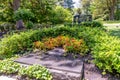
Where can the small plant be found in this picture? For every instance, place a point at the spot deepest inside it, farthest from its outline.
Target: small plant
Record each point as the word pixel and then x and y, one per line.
pixel 29 25
pixel 92 24
pixel 36 71
pixel 9 67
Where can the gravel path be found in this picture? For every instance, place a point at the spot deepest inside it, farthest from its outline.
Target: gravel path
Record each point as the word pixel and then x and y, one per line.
pixel 6 78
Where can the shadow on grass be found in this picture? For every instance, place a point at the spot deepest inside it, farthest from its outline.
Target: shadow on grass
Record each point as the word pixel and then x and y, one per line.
pixel 115 32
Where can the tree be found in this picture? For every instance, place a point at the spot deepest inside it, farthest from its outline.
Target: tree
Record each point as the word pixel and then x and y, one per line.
pixel 42 9
pixel 111 4
pixel 67 4
pixel 107 9
pixel 86 6
pixel 11 6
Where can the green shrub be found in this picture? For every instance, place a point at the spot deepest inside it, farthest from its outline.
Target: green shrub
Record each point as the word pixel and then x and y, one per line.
pixel 23 14
pixel 9 67
pixel 117 15
pixel 61 15
pixel 14 44
pixel 23 41
pixel 29 25
pixel 92 24
pixel 36 71
pixel 107 53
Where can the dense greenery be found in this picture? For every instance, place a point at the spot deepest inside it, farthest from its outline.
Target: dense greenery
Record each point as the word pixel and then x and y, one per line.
pixel 36 71
pixel 33 72
pixel 105 48
pixel 41 11
pixel 92 24
pixel 9 67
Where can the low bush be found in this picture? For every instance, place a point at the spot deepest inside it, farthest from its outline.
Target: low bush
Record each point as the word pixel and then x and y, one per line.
pixel 61 15
pixel 9 67
pixel 36 71
pixel 33 72
pixel 29 25
pixel 69 44
pixel 14 44
pixel 107 53
pixel 92 24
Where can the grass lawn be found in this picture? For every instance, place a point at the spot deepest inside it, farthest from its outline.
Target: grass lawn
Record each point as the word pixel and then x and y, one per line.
pixel 114 29
pixel 111 22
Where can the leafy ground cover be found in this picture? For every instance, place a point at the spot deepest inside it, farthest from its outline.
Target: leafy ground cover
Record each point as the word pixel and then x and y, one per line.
pixel 32 72
pixel 104 48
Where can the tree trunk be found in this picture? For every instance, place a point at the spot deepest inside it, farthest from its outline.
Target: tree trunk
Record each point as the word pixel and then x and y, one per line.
pixel 111 13
pixel 111 7
pixel 16 5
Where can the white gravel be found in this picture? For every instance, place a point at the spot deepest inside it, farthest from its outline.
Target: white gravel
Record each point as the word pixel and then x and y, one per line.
pixel 6 78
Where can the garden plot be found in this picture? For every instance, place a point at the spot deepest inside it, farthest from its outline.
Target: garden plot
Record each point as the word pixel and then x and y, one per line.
pixel 61 67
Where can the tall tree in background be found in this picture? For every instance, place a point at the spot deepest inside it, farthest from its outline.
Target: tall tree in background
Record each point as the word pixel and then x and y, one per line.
pixel 15 5
pixel 104 7
pixel 69 4
pixel 111 4
pixel 11 6
pixel 86 6
pixel 42 7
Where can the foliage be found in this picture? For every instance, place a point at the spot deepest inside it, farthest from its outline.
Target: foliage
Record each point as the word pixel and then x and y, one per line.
pixel 23 14
pixel 69 44
pixel 61 15
pixel 68 4
pixel 86 6
pixel 29 25
pixel 42 9
pixel 9 67
pixel 107 52
pixel 5 26
pixel 36 71
pixel 106 12
pixel 6 12
pixel 117 15
pixel 104 48
pixel 14 44
pixel 92 24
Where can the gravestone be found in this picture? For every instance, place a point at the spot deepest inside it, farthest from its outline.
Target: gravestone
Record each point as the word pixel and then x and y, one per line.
pixel 61 67
pixel 81 18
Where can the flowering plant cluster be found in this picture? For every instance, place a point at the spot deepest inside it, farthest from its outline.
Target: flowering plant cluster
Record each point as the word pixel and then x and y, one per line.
pixel 69 44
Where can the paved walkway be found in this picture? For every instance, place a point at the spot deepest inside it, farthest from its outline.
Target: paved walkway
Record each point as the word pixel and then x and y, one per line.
pixel 6 78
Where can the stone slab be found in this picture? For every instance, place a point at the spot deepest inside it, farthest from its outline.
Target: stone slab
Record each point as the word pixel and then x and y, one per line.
pixel 69 69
